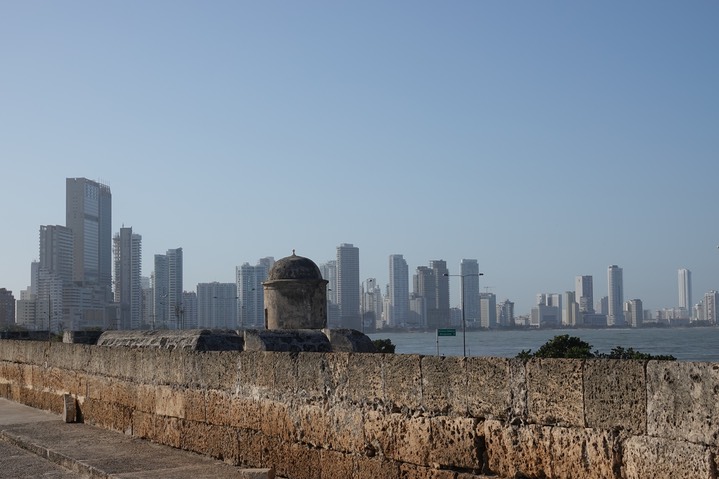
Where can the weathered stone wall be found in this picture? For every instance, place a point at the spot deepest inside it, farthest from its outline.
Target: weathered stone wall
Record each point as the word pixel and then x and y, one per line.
pixel 330 415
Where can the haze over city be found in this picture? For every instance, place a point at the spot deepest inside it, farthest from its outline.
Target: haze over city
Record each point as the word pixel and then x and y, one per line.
pixel 544 140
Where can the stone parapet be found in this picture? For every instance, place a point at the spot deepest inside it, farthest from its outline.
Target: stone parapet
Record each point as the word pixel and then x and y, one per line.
pixel 81 337
pixel 191 339
pixel 349 341
pixel 331 414
pixel 286 340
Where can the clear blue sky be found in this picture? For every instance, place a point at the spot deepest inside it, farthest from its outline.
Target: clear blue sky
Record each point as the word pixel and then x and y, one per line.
pixel 545 139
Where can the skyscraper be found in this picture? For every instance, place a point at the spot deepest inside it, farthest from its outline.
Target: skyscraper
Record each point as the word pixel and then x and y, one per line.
pixel 167 289
pixel 189 308
pixel 615 315
pixel 442 292
pixel 128 286
pixel 348 286
pixel 469 269
pixel 88 214
pixel 397 316
pixel 685 289
pixel 217 305
pixel 488 303
pixel 251 294
pixel 371 304
pixel 55 272
pixel 634 313
pixel 425 286
pixel 584 294
pixel 329 272
pixel 711 307
pixel 570 310
pixel 7 308
pixel 505 313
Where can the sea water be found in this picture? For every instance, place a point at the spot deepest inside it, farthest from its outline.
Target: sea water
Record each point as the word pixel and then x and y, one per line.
pixel 685 344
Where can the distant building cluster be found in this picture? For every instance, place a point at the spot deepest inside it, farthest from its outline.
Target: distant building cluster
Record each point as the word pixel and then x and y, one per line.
pixel 420 301
pixel 88 278
pixel 577 308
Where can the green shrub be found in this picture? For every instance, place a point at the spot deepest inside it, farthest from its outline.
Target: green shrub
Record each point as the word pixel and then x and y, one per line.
pixel 565 346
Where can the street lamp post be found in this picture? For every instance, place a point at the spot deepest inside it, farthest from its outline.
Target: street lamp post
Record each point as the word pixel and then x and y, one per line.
pixel 464 322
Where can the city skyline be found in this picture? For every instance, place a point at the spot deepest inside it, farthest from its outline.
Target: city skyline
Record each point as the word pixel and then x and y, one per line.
pixel 432 131
pixel 169 275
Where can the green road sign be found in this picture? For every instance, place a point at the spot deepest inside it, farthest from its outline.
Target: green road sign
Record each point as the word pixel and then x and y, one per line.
pixel 447 332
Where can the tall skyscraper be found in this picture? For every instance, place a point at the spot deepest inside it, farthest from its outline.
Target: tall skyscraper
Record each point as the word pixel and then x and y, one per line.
pixel 425 286
pixel 55 272
pixel 217 305
pixel 584 294
pixel 251 294
pixel 189 308
pixel 88 214
pixel 329 272
pixel 128 286
pixel 417 311
pixel 615 315
pixel 469 296
pixel 505 313
pixel 7 308
pixel 398 314
pixel 371 304
pixel 56 252
pixel 685 289
pixel 442 292
pixel 711 307
pixel 634 313
pixel 348 286
pixel 488 303
pixel 167 289
pixel 570 310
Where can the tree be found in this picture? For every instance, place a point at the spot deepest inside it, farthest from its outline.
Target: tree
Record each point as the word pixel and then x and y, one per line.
pixel 384 345
pixel 563 346
pixel 566 346
pixel 619 352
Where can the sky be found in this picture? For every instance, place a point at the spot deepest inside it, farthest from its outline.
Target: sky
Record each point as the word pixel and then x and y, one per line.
pixel 544 139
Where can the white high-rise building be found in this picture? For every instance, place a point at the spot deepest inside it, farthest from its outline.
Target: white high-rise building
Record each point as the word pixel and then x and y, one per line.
pixel 425 286
pixel 55 271
pixel 634 313
pixel 251 294
pixel 371 304
pixel 189 310
pixel 348 286
pixel 128 285
pixel 469 294
pixel 329 272
pixel 711 307
pixel 398 314
pixel 417 311
pixel 570 310
pixel 685 289
pixel 217 305
pixel 488 304
pixel 167 289
pixel 615 314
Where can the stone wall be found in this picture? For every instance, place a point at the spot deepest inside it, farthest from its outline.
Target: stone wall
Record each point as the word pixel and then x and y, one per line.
pixel 336 415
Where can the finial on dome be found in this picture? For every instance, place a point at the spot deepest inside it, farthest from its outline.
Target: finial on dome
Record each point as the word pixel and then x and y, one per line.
pixel 293 252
